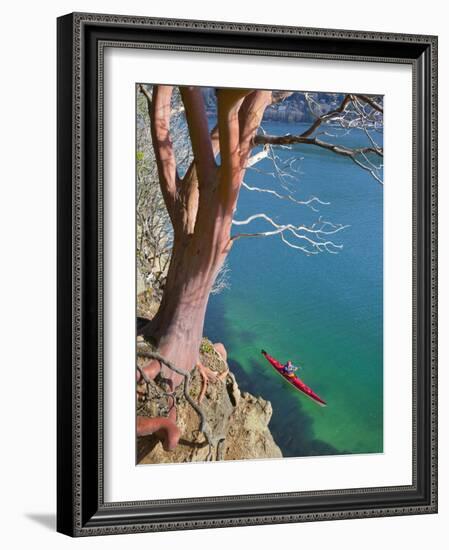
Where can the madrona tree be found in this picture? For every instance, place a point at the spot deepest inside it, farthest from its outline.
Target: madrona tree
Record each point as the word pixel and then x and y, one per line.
pixel 201 199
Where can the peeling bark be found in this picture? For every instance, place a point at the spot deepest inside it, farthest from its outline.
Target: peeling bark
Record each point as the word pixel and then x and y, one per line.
pixel 178 325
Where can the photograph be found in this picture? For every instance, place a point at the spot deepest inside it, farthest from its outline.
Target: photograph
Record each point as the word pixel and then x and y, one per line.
pixel 259 273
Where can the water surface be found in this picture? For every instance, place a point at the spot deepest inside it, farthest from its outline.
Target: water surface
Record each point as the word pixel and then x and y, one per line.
pixel 323 312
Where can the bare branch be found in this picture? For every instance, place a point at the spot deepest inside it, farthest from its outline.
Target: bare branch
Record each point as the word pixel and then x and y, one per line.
pixel 371 102
pixel 308 202
pixel 327 116
pixel 222 281
pixel 148 96
pixel 315 237
pixel 277 96
pixel 257 158
pixel 338 149
pixel 372 171
pixel 289 139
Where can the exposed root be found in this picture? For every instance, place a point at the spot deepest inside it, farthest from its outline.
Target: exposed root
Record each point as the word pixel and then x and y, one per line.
pixel 207 376
pixel 166 427
pixel 163 427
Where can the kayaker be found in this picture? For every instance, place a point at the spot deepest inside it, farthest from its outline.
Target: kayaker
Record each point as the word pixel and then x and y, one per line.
pixel 289 368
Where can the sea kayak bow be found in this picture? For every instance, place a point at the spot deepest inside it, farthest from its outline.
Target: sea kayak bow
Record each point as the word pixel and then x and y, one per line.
pixel 293 379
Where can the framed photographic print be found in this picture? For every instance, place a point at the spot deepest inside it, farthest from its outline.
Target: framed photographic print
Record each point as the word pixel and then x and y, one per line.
pixel 246 274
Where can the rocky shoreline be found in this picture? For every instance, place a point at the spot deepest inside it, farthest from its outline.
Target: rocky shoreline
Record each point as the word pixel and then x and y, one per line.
pixel 237 421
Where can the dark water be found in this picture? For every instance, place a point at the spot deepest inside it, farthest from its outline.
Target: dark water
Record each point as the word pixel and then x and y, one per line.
pixel 323 312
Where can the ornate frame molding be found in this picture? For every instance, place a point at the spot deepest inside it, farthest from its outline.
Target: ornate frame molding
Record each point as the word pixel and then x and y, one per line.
pixel 81 509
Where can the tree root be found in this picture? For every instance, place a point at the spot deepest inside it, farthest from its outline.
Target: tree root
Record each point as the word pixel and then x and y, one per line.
pixel 213 442
pixel 207 376
pixel 165 428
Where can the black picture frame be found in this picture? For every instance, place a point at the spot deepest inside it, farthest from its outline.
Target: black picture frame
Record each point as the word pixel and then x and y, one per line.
pixel 81 509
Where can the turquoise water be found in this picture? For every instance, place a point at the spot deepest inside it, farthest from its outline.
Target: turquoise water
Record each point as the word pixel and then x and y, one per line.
pixel 323 312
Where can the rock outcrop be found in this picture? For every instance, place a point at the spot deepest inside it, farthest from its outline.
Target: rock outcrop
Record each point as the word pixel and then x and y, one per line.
pixel 237 421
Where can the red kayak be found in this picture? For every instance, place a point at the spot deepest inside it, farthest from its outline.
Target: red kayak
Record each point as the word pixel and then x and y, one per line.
pixel 293 379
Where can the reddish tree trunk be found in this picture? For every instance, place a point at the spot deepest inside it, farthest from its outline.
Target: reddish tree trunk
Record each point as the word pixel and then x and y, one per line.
pixel 178 325
pixel 201 207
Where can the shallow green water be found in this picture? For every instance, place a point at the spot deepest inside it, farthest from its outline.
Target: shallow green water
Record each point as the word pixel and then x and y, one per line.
pixel 323 312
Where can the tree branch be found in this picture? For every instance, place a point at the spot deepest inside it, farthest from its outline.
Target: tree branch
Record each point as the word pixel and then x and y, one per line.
pixel 327 116
pixel 277 98
pixel 149 99
pixel 316 238
pixel 263 139
pixel 199 133
pixel 370 102
pixel 288 197
pixel 229 102
pixel 288 139
pixel 163 147
pixel 357 155
pixel 250 116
